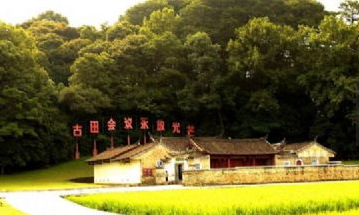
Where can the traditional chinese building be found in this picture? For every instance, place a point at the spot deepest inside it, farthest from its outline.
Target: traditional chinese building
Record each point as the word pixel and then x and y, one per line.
pixel 227 153
pixel 132 164
pixel 303 153
pixel 163 160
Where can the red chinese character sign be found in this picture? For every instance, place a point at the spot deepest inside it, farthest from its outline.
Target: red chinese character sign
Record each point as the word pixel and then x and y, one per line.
pixel 128 123
pixel 190 130
pixel 144 127
pixel 128 126
pixel 111 126
pixel 77 133
pixel 77 130
pixel 144 123
pixel 94 129
pixel 160 125
pixel 176 128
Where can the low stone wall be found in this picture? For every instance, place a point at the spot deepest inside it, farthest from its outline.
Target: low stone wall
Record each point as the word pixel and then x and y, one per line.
pixel 269 174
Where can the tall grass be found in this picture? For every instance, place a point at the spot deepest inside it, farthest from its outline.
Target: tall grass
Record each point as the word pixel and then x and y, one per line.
pixel 313 198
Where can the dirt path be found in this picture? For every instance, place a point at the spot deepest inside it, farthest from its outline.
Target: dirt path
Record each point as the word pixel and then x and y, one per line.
pixel 51 202
pixel 48 204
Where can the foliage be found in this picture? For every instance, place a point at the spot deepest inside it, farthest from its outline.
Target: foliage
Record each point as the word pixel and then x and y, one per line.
pixel 219 19
pixel 33 129
pixel 314 198
pixel 136 14
pixel 52 177
pixel 47 15
pixel 50 35
pixel 120 30
pixel 350 10
pixel 233 68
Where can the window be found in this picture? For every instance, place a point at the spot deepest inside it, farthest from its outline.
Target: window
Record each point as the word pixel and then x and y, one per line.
pixel 147 172
pixel 197 166
pixel 315 162
pixel 159 164
pixel 299 162
pixel 287 163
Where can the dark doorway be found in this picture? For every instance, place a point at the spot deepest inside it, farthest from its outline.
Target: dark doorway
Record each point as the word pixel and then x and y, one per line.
pixel 179 172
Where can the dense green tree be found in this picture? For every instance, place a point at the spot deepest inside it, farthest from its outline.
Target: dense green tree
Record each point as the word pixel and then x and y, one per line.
pixel 33 131
pixel 261 59
pixel 132 67
pixel 329 72
pixel 233 68
pixel 50 37
pixel 165 78
pixel 47 15
pixel 220 18
pixel 160 21
pixel 137 13
pixel 120 30
pixel 201 92
pixel 89 89
pixel 349 10
pixel 97 47
pixel 89 33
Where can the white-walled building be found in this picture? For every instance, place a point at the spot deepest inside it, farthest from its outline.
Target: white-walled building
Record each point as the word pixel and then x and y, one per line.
pixel 163 161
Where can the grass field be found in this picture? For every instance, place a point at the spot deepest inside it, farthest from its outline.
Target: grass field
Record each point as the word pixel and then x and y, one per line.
pixel 5 209
pixel 313 198
pixel 56 177
pixel 353 162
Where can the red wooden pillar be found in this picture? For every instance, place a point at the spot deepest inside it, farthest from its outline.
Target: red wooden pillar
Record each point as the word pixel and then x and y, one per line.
pixel 77 152
pixel 254 161
pixel 273 161
pixel 229 162
pixel 144 139
pixel 112 144
pixel 128 140
pixel 94 151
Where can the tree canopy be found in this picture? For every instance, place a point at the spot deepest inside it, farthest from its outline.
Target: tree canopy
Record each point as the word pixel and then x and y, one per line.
pixel 233 68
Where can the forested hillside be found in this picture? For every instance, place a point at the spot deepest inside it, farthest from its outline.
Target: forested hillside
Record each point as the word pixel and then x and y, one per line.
pixel 233 68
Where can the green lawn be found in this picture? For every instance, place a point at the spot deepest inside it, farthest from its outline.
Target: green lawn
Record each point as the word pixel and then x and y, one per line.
pixel 294 199
pixel 56 177
pixel 353 162
pixel 5 209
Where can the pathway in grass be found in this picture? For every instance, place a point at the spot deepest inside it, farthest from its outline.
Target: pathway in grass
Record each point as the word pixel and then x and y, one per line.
pixel 311 198
pixel 51 202
pixel 56 177
pixel 47 203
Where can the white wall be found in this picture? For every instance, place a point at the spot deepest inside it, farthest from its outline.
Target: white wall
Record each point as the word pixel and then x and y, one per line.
pixel 118 173
pixel 170 167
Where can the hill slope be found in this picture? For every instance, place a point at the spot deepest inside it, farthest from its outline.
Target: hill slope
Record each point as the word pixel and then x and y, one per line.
pixel 56 177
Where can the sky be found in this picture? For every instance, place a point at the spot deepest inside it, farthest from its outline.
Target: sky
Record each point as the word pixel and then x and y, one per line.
pixel 81 12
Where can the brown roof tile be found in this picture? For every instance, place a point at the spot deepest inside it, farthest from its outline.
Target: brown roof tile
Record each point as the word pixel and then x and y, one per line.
pixel 218 146
pixel 134 152
pixel 300 146
pixel 296 146
pixel 175 143
pixel 111 153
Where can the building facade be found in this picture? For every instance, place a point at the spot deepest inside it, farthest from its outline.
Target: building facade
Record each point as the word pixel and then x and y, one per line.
pixel 163 160
pixel 303 153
